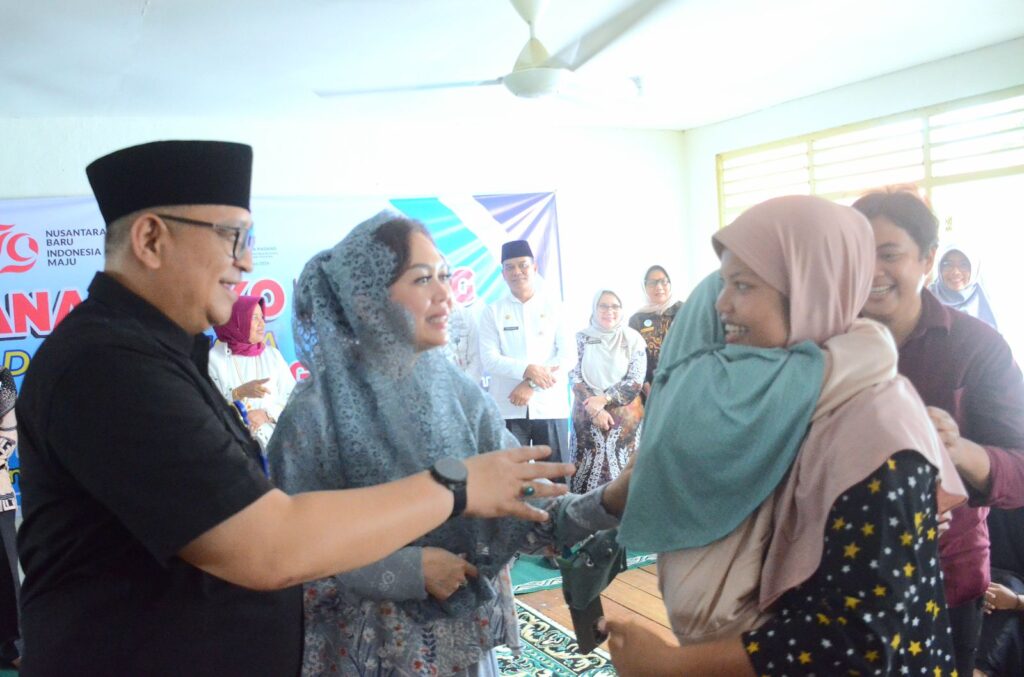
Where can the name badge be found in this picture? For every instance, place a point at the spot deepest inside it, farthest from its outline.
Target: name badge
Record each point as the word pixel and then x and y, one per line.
pixel 511 328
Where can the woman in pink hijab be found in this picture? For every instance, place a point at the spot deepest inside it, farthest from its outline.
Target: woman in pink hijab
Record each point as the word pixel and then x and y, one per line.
pixel 850 582
pixel 245 369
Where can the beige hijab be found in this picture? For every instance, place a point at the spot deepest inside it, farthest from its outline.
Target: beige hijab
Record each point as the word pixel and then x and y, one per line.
pixel 821 255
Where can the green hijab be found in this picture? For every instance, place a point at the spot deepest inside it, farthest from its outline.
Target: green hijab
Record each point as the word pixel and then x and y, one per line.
pixel 722 427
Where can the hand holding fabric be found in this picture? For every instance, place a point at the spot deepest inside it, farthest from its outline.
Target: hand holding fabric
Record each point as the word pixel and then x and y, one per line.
pixel 971 459
pixel 444 572
pixel 1001 598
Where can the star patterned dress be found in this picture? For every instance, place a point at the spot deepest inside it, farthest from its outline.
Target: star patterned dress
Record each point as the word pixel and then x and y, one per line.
pixel 875 606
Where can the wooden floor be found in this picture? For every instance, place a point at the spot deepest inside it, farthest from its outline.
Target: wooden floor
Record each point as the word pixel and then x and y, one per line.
pixel 633 594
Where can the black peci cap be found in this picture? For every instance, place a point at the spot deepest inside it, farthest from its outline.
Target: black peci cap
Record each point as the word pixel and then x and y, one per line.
pixel 515 249
pixel 168 173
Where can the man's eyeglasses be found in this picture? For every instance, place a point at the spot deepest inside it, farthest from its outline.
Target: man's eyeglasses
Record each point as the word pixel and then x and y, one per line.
pixel 243 237
pixel 661 282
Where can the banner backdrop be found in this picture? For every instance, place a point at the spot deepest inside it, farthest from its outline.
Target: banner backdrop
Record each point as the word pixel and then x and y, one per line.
pixel 50 249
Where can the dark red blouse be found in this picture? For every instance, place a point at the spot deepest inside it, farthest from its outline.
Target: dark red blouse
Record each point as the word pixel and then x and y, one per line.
pixel 960 364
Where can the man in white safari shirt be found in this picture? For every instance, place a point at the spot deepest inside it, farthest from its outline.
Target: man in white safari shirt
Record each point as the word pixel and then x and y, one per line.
pixel 528 355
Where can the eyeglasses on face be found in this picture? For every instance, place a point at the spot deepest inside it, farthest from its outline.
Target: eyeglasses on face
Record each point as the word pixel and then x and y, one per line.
pixel 946 264
pixel 608 307
pixel 243 236
pixel 660 282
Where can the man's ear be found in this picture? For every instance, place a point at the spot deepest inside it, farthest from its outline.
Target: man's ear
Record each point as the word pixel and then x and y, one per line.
pixel 931 257
pixel 148 238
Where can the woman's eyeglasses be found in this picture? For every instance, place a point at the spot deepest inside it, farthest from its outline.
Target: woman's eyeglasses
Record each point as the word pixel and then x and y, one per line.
pixel 608 307
pixel 946 264
pixel 243 236
pixel 661 282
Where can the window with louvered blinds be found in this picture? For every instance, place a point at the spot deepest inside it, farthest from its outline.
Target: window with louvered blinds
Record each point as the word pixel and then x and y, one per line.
pixel 961 141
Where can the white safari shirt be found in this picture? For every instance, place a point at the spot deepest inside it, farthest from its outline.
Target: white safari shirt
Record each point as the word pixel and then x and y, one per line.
pixel 514 335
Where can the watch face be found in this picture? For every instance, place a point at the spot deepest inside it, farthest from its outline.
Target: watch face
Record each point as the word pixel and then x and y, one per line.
pixel 452 469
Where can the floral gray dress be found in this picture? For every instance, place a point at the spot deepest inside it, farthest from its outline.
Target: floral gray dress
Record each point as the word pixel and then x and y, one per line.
pixel 372 411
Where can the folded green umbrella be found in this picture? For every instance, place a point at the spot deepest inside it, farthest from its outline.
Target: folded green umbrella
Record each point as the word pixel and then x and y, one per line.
pixel 586 572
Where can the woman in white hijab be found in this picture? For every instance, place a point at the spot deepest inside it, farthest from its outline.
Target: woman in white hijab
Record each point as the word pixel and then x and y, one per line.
pixel 606 384
pixel 958 283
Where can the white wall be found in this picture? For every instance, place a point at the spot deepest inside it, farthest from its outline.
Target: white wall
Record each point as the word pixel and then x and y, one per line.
pixel 620 192
pixel 969 74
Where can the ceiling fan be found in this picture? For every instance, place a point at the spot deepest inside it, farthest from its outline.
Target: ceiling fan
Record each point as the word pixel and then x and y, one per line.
pixel 537 73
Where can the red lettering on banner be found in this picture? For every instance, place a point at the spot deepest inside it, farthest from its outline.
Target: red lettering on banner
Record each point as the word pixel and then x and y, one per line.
pixel 271 291
pixel 273 296
pixel 299 373
pixel 32 309
pixel 11 250
pixel 67 299
pixel 31 312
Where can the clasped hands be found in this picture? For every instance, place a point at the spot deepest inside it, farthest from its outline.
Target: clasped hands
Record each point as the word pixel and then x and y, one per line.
pixel 595 408
pixel 535 375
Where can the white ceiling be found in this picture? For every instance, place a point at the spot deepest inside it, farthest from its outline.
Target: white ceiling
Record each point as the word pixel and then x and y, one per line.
pixel 699 61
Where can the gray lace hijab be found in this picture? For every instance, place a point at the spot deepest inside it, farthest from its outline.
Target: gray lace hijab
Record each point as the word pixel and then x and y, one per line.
pixel 374 410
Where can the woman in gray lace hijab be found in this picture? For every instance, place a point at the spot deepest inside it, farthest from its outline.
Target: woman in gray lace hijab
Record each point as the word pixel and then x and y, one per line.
pixel 381 404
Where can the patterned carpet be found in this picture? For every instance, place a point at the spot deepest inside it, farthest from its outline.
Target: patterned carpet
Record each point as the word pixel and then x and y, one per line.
pixel 548 650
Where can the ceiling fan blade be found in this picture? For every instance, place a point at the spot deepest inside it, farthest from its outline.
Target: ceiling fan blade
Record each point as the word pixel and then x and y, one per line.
pixel 591 43
pixel 529 10
pixel 330 93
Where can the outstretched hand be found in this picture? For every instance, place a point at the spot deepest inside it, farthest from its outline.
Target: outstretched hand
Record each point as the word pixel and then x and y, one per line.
pixel 254 389
pixel 496 483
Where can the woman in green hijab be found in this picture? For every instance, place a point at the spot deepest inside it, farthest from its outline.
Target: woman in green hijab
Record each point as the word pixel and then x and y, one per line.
pixel 779 432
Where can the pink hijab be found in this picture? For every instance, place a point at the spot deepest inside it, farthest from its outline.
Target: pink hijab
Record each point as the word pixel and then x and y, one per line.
pixel 235 332
pixel 821 256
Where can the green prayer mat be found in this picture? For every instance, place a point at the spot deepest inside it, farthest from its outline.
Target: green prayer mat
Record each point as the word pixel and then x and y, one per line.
pixel 530 575
pixel 549 649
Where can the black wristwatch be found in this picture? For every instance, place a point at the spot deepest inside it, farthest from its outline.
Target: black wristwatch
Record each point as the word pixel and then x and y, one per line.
pixel 451 473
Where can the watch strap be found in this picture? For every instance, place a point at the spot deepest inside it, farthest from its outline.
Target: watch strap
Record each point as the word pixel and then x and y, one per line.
pixel 459 492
